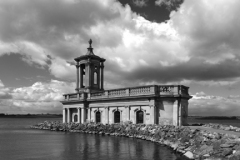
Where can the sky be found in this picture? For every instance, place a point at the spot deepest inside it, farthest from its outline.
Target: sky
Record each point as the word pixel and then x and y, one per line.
pixel 192 43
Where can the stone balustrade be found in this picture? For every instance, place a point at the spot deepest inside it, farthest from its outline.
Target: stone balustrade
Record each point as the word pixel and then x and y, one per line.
pixel 161 90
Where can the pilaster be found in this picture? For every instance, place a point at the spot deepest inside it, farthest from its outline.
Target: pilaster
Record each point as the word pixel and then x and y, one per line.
pixel 64 115
pixel 79 117
pixel 77 82
pixel 102 75
pixel 68 115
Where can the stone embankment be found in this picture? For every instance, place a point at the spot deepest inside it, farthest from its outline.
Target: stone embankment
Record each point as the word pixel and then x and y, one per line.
pixel 193 143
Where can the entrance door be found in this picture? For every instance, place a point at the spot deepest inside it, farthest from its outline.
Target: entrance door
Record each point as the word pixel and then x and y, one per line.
pixel 116 117
pixel 98 117
pixel 139 116
pixel 75 118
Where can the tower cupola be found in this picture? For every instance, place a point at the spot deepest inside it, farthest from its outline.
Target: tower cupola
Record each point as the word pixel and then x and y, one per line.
pixel 90 72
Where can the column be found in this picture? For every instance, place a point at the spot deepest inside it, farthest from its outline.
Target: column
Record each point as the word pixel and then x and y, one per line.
pixel 77 83
pixel 107 115
pixel 64 115
pixel 180 113
pixel 83 113
pixel 127 111
pixel 86 79
pixel 175 113
pixel 68 115
pixel 89 114
pixel 152 114
pixel 80 76
pixel 79 115
pixel 98 77
pixel 102 75
pixel 90 73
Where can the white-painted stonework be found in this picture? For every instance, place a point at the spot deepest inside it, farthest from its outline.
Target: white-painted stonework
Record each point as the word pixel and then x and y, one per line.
pixel 153 104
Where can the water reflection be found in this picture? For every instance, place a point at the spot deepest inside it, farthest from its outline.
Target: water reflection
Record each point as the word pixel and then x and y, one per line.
pixel 19 143
pixel 85 146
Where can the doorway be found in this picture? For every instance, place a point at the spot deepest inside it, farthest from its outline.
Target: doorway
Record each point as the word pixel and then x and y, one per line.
pixel 116 117
pixel 98 117
pixel 139 117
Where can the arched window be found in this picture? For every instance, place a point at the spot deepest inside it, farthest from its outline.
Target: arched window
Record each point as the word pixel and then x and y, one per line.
pixel 75 118
pixel 95 77
pixel 116 117
pixel 139 117
pixel 98 117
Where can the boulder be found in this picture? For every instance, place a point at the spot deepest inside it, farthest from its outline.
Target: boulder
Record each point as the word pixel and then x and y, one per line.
pixel 189 155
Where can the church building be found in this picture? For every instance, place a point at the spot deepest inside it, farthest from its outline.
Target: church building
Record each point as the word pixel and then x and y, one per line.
pixel 150 104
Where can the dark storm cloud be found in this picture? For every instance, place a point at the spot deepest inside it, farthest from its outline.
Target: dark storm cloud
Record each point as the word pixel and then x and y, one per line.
pixel 194 69
pixel 140 3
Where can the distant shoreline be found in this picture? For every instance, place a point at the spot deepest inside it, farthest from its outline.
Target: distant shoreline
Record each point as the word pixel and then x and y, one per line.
pixel 32 116
pixel 215 117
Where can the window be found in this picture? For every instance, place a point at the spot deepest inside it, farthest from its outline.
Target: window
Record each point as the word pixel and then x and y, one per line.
pixel 95 77
pixel 116 117
pixel 139 117
pixel 98 117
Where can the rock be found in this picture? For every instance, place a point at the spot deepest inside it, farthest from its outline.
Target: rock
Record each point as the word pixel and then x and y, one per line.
pixel 226 151
pixel 227 128
pixel 228 145
pixel 236 153
pixel 189 155
pixel 204 150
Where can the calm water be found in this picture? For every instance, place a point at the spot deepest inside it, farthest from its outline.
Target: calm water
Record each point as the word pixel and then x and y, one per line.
pixel 235 123
pixel 18 142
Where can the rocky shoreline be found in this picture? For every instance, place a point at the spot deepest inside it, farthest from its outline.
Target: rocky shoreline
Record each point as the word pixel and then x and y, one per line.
pixel 192 143
pixel 222 127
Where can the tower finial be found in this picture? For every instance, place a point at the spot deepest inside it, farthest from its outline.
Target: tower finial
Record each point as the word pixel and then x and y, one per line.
pixel 90 43
pixel 90 49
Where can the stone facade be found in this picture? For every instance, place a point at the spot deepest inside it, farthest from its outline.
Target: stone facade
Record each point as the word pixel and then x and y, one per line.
pixel 152 104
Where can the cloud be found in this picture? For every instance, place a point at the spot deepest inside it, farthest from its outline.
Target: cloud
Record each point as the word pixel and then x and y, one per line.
pixel 38 98
pixel 140 3
pixel 209 105
pixel 4 92
pixel 43 92
pixel 196 44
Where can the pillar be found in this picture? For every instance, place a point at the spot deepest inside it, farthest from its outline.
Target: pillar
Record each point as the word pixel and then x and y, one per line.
pixel 64 115
pixel 79 115
pixel 106 115
pixel 83 114
pixel 102 76
pixel 180 113
pixel 98 77
pixel 127 111
pixel 152 114
pixel 176 113
pixel 80 77
pixel 68 115
pixel 87 75
pixel 77 83
pixel 89 114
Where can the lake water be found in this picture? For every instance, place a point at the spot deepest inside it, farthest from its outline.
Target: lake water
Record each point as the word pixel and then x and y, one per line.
pixel 19 142
pixel 232 122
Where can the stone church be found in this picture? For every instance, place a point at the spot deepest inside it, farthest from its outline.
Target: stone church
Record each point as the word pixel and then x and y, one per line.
pixel 150 104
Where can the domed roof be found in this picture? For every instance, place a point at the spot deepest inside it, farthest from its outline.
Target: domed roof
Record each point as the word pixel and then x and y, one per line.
pixel 89 54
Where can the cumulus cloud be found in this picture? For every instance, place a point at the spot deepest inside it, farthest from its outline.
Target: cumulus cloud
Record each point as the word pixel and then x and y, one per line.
pixel 38 98
pixel 190 46
pixel 199 44
pixel 4 91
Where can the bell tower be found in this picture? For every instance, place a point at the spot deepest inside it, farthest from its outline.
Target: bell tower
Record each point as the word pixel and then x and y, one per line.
pixel 90 72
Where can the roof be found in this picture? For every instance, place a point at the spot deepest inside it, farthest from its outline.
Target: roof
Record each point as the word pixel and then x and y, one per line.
pixel 89 54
